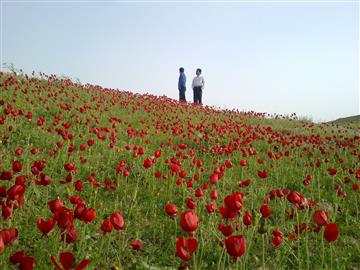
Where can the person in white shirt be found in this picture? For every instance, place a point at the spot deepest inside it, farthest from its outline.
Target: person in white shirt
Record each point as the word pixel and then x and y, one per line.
pixel 197 86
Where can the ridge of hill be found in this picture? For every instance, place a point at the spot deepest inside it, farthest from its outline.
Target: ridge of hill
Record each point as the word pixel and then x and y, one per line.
pixel 355 119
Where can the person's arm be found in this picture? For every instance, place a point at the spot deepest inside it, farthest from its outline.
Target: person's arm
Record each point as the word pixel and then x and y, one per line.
pixel 192 85
pixel 203 83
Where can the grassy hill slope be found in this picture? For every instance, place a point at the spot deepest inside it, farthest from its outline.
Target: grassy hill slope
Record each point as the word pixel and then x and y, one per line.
pixel 121 179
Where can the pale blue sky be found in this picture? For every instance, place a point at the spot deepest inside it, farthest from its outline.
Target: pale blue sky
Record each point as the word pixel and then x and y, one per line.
pixel 266 57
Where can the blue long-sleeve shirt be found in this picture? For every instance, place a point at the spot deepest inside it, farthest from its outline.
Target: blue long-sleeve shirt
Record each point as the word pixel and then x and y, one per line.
pixel 182 81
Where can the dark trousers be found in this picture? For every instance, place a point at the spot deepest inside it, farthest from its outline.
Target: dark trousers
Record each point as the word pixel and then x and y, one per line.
pixel 197 95
pixel 182 94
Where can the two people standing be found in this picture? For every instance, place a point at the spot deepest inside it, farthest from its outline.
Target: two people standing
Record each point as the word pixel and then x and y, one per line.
pixel 198 84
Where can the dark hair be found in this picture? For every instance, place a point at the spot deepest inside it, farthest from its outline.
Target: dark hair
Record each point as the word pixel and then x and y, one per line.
pixel 181 69
pixel 199 69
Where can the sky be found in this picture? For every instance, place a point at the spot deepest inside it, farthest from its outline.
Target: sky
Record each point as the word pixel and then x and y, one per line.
pixel 277 57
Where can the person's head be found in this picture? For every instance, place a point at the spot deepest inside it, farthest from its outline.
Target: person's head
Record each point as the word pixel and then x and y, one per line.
pixel 198 71
pixel 181 70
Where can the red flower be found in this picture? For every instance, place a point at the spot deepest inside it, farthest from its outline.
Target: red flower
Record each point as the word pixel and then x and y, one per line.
pixel 171 210
pixel 136 245
pixel 265 211
pixel 320 217
pixel 147 163
pixel 235 245
pixel 214 178
pixel 106 226
pixel 210 207
pixel 15 192
pixel 245 183
pixel 185 247
pixel 247 219
pixel 69 166
pixel 199 193
pixel 295 197
pixel 263 174
pixel 234 201
pixel 225 230
pixel 19 151
pixel 243 162
pixel 16 257
pixel 7 236
pixel 277 233
pixel 25 262
pixel 190 203
pixel 331 232
pixel 189 221
pixel 117 220
pixel 226 212
pixel 45 226
pixel 276 241
pixel 78 185
pixel 69 235
pixel 17 166
pixel 213 194
pixel 55 205
pixel 332 171
pixel 8 175
pixel 67 262
pixel 65 218
pixel 88 215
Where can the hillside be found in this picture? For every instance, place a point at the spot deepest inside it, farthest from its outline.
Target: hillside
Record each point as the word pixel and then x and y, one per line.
pixel 128 181
pixel 347 120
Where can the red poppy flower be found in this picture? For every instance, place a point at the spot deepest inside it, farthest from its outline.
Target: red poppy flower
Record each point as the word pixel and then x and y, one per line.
pixel 55 205
pixel 265 211
pixel 185 247
pixel 295 197
pixel 247 219
pixel 331 232
pixel 243 162
pixel 171 210
pixel 88 215
pixel 78 185
pixel 235 245
pixel 117 220
pixel 225 230
pixel 263 174
pixel 147 163
pixel 213 194
pixel 190 203
pixel 211 207
pixel 17 166
pixel 67 262
pixel 25 262
pixel 320 217
pixel 226 212
pixel 234 201
pixel 45 226
pixel 69 235
pixel 276 241
pixel 189 221
pixel 106 226
pixel 332 171
pixel 136 245
pixel 7 236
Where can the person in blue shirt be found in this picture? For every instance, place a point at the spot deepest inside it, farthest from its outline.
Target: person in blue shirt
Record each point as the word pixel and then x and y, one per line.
pixel 182 85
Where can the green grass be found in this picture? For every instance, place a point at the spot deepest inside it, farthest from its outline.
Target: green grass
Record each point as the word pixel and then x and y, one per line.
pixel 212 136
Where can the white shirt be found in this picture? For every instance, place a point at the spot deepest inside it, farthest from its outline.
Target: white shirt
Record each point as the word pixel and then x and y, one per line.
pixel 198 81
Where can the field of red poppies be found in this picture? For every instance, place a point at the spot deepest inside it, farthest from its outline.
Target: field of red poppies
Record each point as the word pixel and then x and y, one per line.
pixel 96 178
